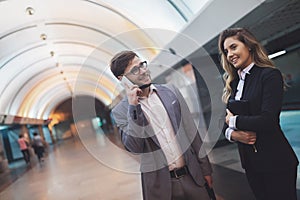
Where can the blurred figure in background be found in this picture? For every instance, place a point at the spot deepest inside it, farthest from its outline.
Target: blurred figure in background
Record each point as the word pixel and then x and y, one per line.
pixel 38 146
pixel 23 144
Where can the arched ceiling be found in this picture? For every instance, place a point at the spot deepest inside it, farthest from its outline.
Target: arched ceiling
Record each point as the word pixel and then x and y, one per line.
pixel 51 50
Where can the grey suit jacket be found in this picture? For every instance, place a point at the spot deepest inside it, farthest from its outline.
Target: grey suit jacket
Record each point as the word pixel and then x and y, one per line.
pixel 138 137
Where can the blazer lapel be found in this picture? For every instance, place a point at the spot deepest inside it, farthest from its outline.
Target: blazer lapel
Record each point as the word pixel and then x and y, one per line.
pixel 250 81
pixel 148 129
pixel 169 100
pixel 234 88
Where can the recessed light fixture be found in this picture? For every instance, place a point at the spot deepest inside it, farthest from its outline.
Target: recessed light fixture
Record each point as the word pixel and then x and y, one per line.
pixel 30 11
pixel 172 51
pixel 279 53
pixel 43 36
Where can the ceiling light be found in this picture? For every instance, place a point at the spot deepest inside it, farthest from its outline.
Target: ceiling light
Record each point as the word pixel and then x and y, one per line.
pixel 172 51
pixel 279 53
pixel 30 11
pixel 43 36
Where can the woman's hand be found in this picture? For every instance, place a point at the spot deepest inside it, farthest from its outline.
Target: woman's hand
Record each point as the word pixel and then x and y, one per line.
pixel 246 137
pixel 229 114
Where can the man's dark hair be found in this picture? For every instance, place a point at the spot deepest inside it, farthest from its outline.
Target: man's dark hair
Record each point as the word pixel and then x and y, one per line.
pixel 120 61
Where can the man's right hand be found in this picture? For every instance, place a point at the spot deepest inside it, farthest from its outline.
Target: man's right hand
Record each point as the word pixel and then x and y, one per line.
pixel 246 137
pixel 133 94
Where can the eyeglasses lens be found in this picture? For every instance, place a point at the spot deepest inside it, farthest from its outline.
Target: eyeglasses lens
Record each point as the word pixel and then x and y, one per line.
pixel 136 69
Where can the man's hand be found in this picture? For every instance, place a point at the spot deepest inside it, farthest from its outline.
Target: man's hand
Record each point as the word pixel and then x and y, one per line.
pixel 133 94
pixel 246 137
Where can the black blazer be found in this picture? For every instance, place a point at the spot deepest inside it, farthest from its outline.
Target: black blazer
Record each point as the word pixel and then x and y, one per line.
pixel 263 88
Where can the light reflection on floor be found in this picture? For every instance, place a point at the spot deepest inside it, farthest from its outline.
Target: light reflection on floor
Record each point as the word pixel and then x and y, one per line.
pixel 84 167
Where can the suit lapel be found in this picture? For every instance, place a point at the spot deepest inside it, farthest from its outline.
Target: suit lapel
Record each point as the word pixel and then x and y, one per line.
pixel 148 129
pixel 169 100
pixel 234 88
pixel 250 81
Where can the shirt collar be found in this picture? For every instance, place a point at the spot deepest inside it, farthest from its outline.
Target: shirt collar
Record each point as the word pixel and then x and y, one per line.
pixel 242 73
pixel 152 90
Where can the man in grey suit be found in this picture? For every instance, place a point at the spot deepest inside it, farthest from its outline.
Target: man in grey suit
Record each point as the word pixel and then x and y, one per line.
pixel 154 121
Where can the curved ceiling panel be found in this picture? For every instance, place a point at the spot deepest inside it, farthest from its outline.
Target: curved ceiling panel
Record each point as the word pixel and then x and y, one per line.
pixel 49 53
pixel 17 74
pixel 74 79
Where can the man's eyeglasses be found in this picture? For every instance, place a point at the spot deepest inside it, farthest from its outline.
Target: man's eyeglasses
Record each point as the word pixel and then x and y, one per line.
pixel 137 69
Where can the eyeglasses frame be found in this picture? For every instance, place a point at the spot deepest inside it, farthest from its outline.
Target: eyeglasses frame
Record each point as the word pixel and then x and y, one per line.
pixel 142 64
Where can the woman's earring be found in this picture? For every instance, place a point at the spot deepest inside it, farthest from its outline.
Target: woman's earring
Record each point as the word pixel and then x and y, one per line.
pixel 249 49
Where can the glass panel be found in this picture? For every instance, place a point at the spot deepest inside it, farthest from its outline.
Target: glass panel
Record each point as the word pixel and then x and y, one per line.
pixel 188 8
pixel 13 136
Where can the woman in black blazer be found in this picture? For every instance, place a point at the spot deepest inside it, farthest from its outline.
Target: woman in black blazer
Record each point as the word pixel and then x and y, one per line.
pixel 253 93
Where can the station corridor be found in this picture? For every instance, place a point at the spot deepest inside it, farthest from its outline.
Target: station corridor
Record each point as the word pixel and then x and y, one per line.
pixel 90 166
pixel 54 62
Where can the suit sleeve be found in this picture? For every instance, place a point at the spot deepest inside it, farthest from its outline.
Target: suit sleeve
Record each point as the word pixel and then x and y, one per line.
pixel 271 102
pixel 194 136
pixel 131 123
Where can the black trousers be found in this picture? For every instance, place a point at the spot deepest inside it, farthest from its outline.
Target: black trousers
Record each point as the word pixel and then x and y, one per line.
pixel 279 185
pixel 185 188
pixel 26 155
pixel 39 151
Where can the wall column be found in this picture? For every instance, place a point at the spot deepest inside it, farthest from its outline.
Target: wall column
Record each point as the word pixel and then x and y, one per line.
pixel 3 160
pixel 41 132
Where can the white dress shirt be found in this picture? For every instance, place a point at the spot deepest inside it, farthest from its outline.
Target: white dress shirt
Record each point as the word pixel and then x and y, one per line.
pixel 158 117
pixel 238 96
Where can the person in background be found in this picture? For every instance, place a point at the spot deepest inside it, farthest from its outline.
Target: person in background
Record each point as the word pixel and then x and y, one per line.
pixel 38 146
pixel 154 121
pixel 250 77
pixel 23 144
